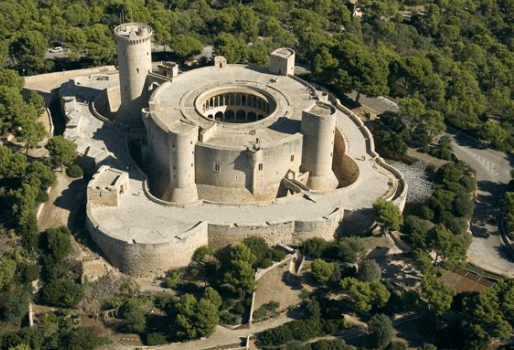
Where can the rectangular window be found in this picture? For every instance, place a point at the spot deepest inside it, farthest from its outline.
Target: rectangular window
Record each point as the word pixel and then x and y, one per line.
pixel 216 167
pixel 261 166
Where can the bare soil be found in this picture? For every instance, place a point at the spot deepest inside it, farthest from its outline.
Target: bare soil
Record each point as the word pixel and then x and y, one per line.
pixel 278 285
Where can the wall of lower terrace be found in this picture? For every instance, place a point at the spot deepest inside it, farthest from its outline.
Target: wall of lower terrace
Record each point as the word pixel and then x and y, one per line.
pixel 275 232
pixel 135 258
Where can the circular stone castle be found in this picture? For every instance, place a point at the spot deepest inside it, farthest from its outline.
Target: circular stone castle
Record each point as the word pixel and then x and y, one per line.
pixel 216 154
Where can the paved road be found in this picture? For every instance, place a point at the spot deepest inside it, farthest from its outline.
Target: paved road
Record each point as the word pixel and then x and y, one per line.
pixel 487 250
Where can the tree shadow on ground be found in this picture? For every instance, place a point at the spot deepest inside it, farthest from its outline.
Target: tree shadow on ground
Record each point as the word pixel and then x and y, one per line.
pixel 409 331
pixel 71 198
pixel 358 220
pixel 505 252
pixel 292 281
pixel 393 266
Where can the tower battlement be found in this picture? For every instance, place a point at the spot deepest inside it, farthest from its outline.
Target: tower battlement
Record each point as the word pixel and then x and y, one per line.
pixel 133 33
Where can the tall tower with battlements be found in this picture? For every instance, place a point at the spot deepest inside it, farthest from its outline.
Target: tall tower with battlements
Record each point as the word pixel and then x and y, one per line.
pixel 134 46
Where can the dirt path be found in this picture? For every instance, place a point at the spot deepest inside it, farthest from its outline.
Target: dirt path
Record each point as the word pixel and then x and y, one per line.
pixel 56 211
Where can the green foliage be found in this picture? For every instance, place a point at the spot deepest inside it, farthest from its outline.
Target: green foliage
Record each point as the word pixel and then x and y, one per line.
pixel 492 311
pixel 314 247
pixel 185 46
pixel 382 331
pixel 369 271
pixel 265 311
pixel 508 207
pixel 133 313
pixel 195 318
pixel 324 344
pixel 63 151
pixel 213 297
pixel 8 264
pixel 262 251
pixel 75 171
pixel 202 252
pixel 62 293
pixel 322 270
pixel 231 47
pixel 437 293
pixel 153 339
pixel 388 215
pixel 80 338
pixel 365 295
pixel 173 277
pixel 347 249
pixel 55 244
pixel 14 304
pixel 28 336
pixel 112 303
pixel 241 275
pixel 300 330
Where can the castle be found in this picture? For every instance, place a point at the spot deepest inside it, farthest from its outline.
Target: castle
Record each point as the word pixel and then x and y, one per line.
pixel 223 153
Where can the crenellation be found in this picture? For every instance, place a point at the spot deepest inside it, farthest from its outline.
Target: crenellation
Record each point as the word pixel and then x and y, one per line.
pixel 228 152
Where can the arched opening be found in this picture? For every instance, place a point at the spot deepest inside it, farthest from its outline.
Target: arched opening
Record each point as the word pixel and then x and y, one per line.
pixel 252 116
pixel 229 115
pixel 219 116
pixel 243 100
pixel 240 116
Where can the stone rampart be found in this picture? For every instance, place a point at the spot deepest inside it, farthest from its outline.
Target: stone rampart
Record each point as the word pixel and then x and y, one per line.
pixel 137 258
pixel 399 198
pixel 293 231
pixel 345 168
pixel 66 75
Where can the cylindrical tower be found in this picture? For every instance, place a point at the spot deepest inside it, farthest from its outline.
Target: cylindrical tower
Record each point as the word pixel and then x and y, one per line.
pixel 181 143
pixel 318 129
pixel 134 48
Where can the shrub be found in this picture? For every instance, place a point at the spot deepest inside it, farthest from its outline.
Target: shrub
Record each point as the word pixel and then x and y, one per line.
pixel 112 303
pixel 75 171
pixel 229 319
pixel 63 293
pixel 265 311
pixel 172 279
pixel 155 339
pixel 277 255
pixel 322 270
pixel 314 247
pixel 275 336
pixel 369 271
pixel 238 309
pixel 382 331
pixel 132 311
pixel 42 196
pixel 264 264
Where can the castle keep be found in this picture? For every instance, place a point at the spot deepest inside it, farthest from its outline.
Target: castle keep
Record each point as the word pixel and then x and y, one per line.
pixel 223 152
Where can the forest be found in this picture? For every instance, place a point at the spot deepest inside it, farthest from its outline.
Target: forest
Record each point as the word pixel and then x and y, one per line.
pixel 446 62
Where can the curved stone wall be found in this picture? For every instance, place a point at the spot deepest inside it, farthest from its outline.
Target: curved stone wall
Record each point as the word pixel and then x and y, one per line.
pixel 235 168
pixel 293 231
pixel 135 258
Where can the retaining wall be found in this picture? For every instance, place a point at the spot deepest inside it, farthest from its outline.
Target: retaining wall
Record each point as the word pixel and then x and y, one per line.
pixel 142 259
pixel 292 231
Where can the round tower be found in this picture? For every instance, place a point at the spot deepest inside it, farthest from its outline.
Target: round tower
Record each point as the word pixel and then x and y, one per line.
pixel 181 143
pixel 318 129
pixel 134 46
